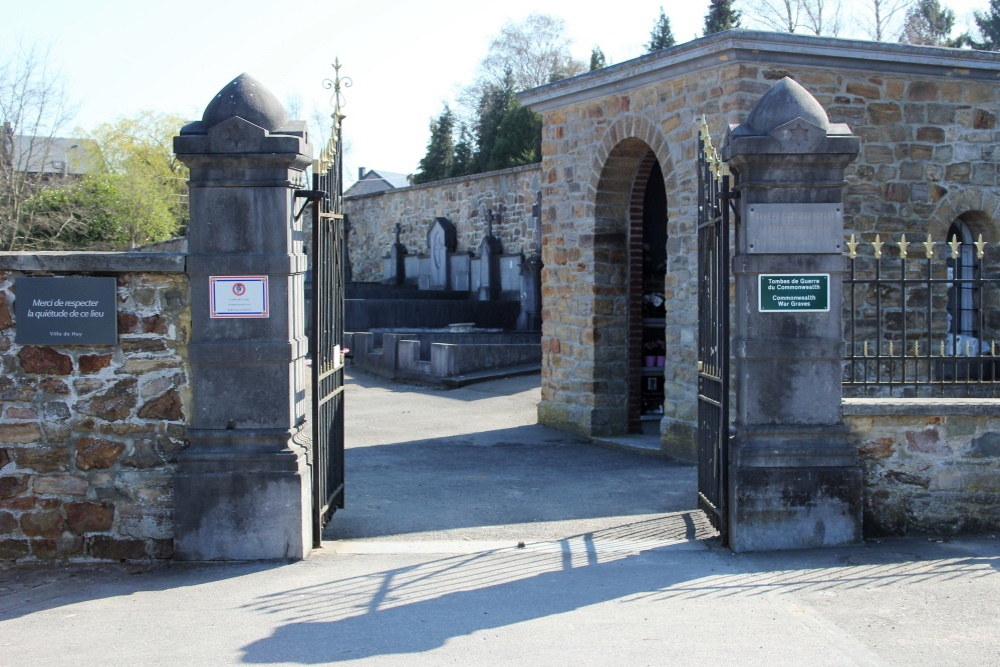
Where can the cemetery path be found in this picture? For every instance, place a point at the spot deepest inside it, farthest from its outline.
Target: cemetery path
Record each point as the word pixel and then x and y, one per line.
pixel 472 465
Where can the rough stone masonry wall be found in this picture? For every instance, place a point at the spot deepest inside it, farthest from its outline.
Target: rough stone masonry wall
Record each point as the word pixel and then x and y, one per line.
pixel 928 155
pixel 464 201
pixel 89 434
pixel 931 467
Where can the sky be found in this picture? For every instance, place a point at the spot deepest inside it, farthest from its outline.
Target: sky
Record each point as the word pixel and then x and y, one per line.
pixel 405 58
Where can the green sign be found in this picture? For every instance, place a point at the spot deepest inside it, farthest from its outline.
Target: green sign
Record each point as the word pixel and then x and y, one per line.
pixel 800 292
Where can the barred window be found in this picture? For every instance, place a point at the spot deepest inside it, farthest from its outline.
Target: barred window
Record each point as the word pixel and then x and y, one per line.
pixel 963 297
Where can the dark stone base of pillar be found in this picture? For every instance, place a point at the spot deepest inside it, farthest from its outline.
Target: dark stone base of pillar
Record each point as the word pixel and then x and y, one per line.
pixel 242 496
pixel 804 490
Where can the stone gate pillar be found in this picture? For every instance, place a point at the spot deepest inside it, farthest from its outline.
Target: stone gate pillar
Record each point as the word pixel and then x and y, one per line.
pixel 242 488
pixel 793 479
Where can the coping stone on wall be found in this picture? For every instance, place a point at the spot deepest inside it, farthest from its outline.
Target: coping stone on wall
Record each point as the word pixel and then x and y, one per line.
pixel 116 262
pixel 860 407
pixel 448 181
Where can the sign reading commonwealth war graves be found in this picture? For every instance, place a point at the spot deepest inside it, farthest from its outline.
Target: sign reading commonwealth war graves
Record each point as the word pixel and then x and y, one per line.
pixel 238 296
pixel 66 310
pixel 804 292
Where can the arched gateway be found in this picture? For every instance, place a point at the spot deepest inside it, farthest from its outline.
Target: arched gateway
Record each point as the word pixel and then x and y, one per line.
pixel 604 131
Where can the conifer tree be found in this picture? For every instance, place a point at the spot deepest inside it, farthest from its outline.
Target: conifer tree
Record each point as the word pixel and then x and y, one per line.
pixel 597 59
pixel 988 23
pixel 496 102
pixel 439 161
pixel 661 37
pixel 519 139
pixel 464 163
pixel 721 16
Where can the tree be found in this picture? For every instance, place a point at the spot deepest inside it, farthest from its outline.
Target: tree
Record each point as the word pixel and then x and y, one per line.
pixel 721 16
pixel 929 24
pixel 465 155
pixel 103 211
pixel 140 148
pixel 779 15
pixel 496 103
pixel 661 37
pixel 524 55
pixel 534 51
pixel 33 110
pixel 880 16
pixel 597 59
pixel 988 23
pixel 822 17
pixel 439 161
pixel 519 139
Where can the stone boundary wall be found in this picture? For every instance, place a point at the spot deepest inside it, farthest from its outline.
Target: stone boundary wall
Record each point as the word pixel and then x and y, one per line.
pixel 89 434
pixel 464 201
pixel 931 467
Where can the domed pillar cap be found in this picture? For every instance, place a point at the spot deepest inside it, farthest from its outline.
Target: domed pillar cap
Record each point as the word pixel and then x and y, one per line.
pixel 787 119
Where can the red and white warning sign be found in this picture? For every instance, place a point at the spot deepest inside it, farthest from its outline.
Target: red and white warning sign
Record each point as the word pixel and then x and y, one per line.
pixel 238 296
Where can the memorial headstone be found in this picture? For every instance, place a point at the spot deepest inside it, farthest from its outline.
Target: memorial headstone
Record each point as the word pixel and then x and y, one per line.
pixel 441 239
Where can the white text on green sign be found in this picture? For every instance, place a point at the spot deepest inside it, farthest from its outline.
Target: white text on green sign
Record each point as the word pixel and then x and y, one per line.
pixel 804 292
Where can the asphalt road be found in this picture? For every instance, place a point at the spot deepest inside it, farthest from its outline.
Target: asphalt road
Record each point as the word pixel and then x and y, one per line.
pixel 473 536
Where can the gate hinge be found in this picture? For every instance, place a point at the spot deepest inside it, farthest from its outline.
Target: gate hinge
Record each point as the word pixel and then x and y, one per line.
pixel 310 196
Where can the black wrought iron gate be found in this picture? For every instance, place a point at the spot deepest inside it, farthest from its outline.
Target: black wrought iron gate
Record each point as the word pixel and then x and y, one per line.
pixel 713 332
pixel 328 326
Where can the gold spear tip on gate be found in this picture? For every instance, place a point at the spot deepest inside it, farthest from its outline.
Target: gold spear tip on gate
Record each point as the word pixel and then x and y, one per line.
pixel 903 245
pixel 980 247
pixel 852 247
pixel 929 246
pixel 954 244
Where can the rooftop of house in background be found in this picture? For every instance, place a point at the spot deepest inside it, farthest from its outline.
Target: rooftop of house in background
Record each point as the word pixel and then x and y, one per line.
pixel 66 156
pixel 371 181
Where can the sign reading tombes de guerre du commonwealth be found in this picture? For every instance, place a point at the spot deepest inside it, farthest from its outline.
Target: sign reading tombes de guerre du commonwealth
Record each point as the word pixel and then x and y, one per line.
pixel 805 292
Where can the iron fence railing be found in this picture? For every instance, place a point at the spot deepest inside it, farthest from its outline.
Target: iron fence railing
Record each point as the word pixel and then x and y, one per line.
pixel 921 318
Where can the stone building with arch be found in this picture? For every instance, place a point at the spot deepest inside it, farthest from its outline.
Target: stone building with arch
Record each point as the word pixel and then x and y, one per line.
pixel 617 192
pixel 927 120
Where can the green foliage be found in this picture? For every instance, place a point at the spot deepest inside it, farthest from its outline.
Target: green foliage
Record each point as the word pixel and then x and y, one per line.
pixel 141 147
pixel 662 36
pixel 597 59
pixel 988 23
pixel 439 161
pixel 519 140
pixel 721 16
pixel 496 103
pixel 104 211
pixel 135 192
pixel 929 24
pixel 465 157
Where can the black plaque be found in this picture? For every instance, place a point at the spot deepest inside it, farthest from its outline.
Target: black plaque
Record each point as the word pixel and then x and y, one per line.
pixel 71 310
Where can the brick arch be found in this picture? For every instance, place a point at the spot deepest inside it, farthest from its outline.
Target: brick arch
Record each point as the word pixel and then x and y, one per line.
pixel 622 164
pixel 625 142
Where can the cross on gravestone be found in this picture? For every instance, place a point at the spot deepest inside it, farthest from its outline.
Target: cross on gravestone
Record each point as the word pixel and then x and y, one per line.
pixel 399 229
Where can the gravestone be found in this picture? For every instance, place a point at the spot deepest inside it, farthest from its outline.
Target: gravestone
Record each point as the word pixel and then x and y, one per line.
pixel 442 240
pixel 397 261
pixel 489 261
